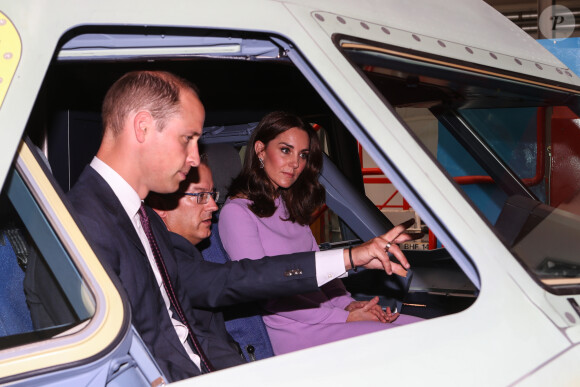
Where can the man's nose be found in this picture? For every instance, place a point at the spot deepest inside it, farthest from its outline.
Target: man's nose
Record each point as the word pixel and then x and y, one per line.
pixel 193 158
pixel 212 204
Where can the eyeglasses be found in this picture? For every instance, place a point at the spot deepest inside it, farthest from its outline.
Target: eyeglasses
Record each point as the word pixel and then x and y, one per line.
pixel 203 197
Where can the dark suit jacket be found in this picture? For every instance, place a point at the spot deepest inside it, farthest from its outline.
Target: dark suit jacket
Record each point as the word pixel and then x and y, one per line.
pixel 201 285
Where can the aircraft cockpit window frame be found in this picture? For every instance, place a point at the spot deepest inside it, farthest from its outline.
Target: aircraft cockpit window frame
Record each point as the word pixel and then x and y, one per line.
pixel 98 318
pixel 157 43
pixel 134 47
pixel 449 90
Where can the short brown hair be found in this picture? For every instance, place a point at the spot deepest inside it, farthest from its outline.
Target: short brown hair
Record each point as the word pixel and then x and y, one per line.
pixel 154 91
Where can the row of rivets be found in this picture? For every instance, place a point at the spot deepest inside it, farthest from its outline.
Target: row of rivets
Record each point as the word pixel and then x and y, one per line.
pixel 417 38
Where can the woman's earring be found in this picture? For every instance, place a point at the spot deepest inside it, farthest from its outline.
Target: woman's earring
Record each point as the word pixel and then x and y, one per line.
pixel 261 162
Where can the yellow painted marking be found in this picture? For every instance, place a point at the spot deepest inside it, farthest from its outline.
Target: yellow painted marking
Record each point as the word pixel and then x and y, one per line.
pixel 94 336
pixel 10 51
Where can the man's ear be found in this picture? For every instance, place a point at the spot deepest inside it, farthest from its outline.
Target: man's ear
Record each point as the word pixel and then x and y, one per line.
pixel 259 148
pixel 162 214
pixel 142 124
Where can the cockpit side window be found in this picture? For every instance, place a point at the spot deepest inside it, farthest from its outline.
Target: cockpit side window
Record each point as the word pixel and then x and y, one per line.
pixel 29 245
pixel 502 139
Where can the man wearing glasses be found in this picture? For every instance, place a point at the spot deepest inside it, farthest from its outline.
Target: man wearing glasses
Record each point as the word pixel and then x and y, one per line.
pixel 188 212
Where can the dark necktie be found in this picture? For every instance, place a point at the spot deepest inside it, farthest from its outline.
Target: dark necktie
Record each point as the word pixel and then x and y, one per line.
pixel 206 366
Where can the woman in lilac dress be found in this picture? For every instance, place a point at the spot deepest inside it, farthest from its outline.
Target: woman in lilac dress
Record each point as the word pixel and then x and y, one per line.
pixel 268 213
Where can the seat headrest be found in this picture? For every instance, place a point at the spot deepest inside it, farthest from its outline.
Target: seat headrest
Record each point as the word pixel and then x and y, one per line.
pixel 225 164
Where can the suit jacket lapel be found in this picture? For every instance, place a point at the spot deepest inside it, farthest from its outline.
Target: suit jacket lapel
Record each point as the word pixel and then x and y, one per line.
pixel 114 207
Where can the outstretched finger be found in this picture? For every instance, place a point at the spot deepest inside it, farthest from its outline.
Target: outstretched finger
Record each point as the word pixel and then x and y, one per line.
pixel 393 250
pixel 404 237
pixel 399 256
pixel 393 234
pixel 389 262
pixel 398 269
pixel 383 257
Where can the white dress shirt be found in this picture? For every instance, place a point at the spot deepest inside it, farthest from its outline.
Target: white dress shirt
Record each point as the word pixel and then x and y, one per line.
pixel 329 264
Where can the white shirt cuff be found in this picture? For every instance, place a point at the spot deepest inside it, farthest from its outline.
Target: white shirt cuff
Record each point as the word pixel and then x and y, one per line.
pixel 329 265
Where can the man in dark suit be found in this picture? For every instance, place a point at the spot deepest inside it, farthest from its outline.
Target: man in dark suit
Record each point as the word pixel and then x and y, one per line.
pixel 152 121
pixel 188 213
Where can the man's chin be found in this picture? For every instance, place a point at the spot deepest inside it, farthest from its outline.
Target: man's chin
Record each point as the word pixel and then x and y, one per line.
pixel 200 238
pixel 170 188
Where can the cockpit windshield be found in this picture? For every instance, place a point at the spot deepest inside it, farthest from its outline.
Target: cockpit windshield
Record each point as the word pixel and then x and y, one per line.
pixel 511 143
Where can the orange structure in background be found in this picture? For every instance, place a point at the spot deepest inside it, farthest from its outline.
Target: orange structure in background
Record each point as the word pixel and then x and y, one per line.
pixel 567 135
pixel 561 118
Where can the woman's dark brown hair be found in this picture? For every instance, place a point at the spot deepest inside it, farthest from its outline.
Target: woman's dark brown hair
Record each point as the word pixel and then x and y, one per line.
pixel 304 196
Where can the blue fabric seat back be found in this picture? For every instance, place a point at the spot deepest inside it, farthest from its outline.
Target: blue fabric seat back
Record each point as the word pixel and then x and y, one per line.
pixel 244 323
pixel 14 314
pixel 248 331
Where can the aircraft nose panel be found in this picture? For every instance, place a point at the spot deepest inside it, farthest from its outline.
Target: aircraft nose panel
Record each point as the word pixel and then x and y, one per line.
pixel 10 49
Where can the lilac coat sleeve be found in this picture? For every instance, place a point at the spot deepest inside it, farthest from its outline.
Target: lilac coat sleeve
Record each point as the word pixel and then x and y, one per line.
pixel 337 294
pixel 240 234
